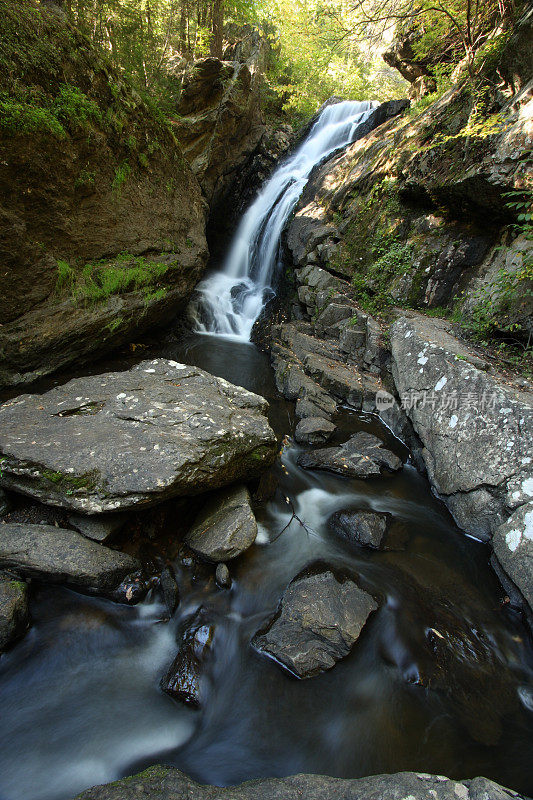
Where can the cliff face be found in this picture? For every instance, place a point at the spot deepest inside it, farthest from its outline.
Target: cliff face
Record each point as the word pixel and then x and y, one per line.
pixel 417 213
pixel 102 222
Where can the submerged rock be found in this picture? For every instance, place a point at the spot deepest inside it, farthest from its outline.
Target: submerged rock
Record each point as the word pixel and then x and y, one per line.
pixel 319 619
pixel 14 614
pixel 112 441
pixel 226 526
pixel 57 555
pixel 162 783
pixel 182 680
pixel 314 430
pixel 362 456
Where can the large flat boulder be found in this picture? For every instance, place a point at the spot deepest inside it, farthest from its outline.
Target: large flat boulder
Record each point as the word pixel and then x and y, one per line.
pixel 163 783
pixel 477 430
pixel 362 456
pixel 225 527
pixel 58 555
pixel 319 619
pixel 14 612
pixel 122 439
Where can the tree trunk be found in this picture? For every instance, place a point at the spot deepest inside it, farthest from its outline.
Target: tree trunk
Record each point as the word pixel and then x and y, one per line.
pixel 217 21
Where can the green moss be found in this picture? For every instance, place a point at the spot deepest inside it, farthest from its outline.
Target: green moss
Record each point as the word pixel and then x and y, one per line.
pixel 122 173
pixel 99 280
pixel 114 324
pixel 71 483
pixel 20 118
pixel 85 179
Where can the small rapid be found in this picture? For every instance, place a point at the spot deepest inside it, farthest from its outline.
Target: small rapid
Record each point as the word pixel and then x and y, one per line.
pixel 229 301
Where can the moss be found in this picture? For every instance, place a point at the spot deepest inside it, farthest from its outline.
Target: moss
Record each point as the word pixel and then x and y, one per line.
pixel 20 118
pixel 71 483
pixel 99 280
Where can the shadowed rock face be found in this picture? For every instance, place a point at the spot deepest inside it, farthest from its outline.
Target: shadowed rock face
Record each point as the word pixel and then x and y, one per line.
pixel 57 555
pixel 319 620
pixel 226 527
pixel 166 783
pixel 122 439
pixel 362 456
pixel 13 610
pixel 89 195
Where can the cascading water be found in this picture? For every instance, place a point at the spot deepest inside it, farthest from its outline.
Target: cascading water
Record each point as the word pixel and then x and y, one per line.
pixel 230 301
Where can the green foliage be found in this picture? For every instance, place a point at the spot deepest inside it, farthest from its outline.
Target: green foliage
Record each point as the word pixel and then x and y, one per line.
pixel 122 173
pixel 99 280
pixel 73 108
pixel 20 118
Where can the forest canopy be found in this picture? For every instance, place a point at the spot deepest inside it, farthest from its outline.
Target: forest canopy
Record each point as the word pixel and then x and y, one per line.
pixel 318 47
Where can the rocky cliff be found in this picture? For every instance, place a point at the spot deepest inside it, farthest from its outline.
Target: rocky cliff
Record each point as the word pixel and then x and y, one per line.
pixel 102 221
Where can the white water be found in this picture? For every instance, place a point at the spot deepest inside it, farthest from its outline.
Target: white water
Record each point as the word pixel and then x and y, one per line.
pixel 230 301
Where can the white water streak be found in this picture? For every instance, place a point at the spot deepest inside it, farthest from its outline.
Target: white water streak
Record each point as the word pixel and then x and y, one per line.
pixel 230 301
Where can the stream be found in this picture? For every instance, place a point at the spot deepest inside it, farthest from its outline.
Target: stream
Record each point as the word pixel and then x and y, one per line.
pixel 440 680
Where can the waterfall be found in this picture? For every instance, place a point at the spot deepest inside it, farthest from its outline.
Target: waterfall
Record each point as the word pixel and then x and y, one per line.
pixel 229 301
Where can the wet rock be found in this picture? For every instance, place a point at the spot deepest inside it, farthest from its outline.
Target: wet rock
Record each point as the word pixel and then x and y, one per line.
pixel 477 431
pixel 225 527
pixel 162 783
pixel 267 487
pixel 57 555
pixel 132 589
pixel 366 528
pixel 5 505
pixel 319 619
pixel 123 439
pixel 314 430
pixel 169 589
pixel 223 577
pixel 14 613
pixel 362 456
pixel 513 547
pixel 101 528
pixel 183 679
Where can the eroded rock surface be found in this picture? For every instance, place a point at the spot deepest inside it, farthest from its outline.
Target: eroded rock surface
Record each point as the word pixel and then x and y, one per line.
pixel 477 431
pixel 57 555
pixel 319 620
pixel 362 456
pixel 122 439
pixel 225 527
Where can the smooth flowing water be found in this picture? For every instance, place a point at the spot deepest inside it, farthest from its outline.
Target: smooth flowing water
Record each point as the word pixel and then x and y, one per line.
pixel 80 701
pixel 230 300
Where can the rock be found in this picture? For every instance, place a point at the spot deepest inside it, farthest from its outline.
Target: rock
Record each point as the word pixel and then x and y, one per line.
pixel 14 613
pixel 170 590
pixel 5 505
pixel 319 619
pixel 513 547
pixel 223 577
pixel 101 528
pixel 477 431
pixel 163 783
pixel 314 430
pixel 346 382
pixel 367 528
pixel 93 197
pixel 225 527
pixel 57 555
pixel 123 439
pixel 362 456
pixel 183 679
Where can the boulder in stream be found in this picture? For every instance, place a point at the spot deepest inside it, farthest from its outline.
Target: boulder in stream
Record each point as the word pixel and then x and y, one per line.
pixel 14 614
pixel 314 430
pixel 57 555
pixel 319 619
pixel 225 527
pixel 182 681
pixel 362 456
pixel 107 442
pixel 365 528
